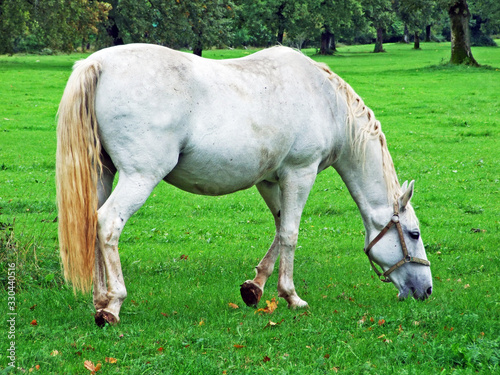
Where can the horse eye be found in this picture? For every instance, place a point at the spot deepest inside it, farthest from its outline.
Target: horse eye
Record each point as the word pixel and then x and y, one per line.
pixel 415 234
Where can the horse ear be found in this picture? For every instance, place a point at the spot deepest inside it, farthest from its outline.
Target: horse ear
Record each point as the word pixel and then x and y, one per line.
pixel 407 193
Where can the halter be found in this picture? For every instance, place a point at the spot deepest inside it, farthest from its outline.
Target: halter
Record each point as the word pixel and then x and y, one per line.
pixel 406 258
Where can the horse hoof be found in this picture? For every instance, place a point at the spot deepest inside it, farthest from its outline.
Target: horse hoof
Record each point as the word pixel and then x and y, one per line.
pixel 250 293
pixel 102 317
pixel 297 303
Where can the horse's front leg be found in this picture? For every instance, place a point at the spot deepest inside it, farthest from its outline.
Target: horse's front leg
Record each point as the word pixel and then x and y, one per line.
pixel 295 189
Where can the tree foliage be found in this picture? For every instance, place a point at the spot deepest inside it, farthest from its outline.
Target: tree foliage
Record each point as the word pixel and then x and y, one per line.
pixel 55 24
pixel 32 25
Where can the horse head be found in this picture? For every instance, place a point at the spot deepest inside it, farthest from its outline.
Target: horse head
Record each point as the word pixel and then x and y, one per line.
pixel 399 250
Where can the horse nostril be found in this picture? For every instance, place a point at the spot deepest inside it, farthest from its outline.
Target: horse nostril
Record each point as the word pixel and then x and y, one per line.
pixel 429 291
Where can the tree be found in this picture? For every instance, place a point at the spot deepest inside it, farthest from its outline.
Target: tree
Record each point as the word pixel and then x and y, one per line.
pixel 270 20
pixel 57 24
pixel 334 17
pixel 13 24
pixel 415 14
pixel 380 15
pixel 460 34
pixel 209 20
pixel 485 21
pixel 175 23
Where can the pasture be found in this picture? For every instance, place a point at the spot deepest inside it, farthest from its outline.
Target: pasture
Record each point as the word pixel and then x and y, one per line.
pixel 184 256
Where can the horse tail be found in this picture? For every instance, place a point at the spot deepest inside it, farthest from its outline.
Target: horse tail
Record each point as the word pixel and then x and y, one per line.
pixel 78 166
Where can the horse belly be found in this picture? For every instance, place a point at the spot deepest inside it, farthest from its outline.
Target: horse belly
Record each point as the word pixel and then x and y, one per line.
pixel 221 173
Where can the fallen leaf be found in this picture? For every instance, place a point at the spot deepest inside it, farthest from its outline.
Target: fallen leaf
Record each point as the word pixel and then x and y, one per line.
pixel 271 306
pixel 54 353
pixel 201 323
pixel 233 305
pixel 273 324
pixel 266 359
pixel 164 314
pixel 89 366
pixel 111 360
pixel 381 322
pixel 33 307
pixel 466 286
pixel 34 322
pixel 237 346
pixel 160 349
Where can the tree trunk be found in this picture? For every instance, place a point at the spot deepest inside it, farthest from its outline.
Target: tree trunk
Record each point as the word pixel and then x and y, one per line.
pixel 428 33
pixel 460 34
pixel 197 51
pixel 281 23
pixel 417 41
pixel 281 34
pixel 379 43
pixel 327 43
pixel 406 36
pixel 114 32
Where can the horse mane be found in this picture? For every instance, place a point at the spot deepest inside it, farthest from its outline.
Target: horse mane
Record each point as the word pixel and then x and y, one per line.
pixel 359 136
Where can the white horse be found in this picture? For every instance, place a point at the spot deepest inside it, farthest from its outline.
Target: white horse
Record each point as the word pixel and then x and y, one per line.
pixel 274 119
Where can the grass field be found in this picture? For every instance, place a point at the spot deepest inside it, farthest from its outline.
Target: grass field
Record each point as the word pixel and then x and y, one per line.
pixel 184 256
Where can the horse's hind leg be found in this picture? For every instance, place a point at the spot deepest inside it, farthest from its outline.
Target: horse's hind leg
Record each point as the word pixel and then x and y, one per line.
pixel 251 290
pixel 104 187
pixel 129 195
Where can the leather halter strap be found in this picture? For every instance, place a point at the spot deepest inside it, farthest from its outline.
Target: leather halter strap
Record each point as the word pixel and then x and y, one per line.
pixel 384 276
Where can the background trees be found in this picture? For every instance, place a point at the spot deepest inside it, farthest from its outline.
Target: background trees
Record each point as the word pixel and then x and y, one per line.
pixel 56 24
pixel 33 25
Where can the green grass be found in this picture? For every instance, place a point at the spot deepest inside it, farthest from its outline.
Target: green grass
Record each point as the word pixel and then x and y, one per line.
pixel 442 124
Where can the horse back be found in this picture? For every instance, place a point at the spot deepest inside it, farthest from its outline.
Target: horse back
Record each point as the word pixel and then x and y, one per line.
pixel 229 124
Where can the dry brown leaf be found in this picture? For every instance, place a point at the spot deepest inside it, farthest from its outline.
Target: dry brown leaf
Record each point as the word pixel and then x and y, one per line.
pixel 271 306
pixel 89 366
pixel 34 322
pixel 237 346
pixel 233 305
pixel 54 353
pixel 111 360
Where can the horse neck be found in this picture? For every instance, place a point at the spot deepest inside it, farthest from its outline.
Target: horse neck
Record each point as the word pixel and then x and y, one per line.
pixel 367 181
